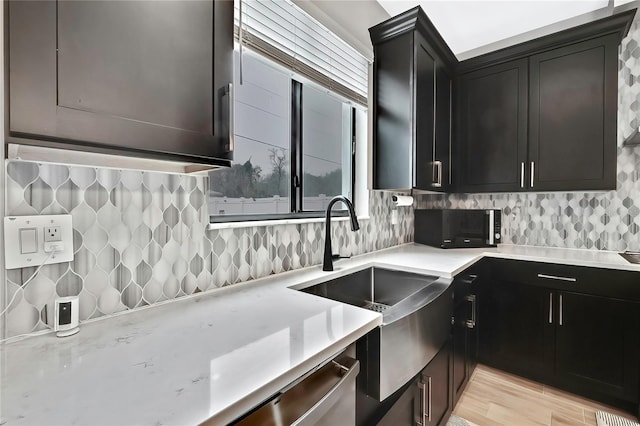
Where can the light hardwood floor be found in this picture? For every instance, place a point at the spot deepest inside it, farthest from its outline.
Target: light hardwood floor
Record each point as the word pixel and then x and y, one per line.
pixel 493 397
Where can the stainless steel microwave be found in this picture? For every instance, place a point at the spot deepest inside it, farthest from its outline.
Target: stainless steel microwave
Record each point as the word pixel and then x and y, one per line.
pixel 456 228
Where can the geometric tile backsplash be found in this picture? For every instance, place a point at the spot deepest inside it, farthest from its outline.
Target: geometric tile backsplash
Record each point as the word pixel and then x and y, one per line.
pixel 603 221
pixel 140 238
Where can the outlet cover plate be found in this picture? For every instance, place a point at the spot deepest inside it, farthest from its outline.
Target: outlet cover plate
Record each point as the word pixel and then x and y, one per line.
pixel 13 256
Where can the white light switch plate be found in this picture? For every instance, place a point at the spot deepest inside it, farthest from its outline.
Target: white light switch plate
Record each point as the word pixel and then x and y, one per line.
pixel 13 256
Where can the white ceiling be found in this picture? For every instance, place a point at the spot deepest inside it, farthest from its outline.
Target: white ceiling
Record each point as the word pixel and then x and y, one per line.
pixel 471 28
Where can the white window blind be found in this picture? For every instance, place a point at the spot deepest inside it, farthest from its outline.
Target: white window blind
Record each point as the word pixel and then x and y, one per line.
pixel 288 35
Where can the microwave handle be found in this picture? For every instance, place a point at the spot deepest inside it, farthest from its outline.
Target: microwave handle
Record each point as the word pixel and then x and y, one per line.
pixel 492 222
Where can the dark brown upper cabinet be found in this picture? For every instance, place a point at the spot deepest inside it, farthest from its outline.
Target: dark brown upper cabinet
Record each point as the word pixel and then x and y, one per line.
pixel 492 118
pixel 573 116
pixel 412 107
pixel 541 115
pixel 144 79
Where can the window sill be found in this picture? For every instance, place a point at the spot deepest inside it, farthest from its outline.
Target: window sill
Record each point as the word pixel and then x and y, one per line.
pixel 277 222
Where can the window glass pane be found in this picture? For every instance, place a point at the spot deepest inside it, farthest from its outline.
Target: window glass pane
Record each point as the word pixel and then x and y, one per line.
pixel 326 147
pixel 258 182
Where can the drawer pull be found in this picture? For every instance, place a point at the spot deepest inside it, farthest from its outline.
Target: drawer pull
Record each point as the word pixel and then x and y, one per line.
pixel 469 279
pixel 554 277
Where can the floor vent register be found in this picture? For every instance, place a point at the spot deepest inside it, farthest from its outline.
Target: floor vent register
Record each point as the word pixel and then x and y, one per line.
pixel 606 419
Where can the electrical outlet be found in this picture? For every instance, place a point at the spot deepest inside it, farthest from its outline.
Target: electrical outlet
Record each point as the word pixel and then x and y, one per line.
pixel 30 241
pixel 52 233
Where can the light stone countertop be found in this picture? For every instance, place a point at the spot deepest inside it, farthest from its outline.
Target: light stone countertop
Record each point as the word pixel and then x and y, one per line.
pixel 214 355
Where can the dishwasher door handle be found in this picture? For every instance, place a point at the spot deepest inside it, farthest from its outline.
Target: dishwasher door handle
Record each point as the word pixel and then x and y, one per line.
pixel 324 395
pixel 319 409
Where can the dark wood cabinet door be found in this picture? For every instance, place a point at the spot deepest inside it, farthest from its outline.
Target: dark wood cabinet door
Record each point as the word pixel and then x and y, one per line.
pixel 424 98
pixel 460 349
pixel 517 328
pixel 406 409
pixel 412 102
pixel 392 114
pixel 492 133
pixel 436 388
pixel 442 170
pixel 597 345
pixel 572 116
pixel 127 75
pixel 466 321
pixel 433 119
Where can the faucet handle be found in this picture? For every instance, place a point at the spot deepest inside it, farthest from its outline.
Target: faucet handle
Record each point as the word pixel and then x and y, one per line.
pixel 337 256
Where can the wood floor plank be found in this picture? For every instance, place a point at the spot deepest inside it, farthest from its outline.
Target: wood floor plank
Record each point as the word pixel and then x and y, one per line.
pixel 521 416
pixel 494 398
pixel 558 419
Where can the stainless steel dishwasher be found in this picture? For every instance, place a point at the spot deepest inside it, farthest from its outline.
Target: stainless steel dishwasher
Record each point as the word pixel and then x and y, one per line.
pixel 323 397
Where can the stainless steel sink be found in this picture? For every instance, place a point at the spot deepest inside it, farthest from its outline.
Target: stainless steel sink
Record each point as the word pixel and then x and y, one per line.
pixel 389 292
pixel 416 316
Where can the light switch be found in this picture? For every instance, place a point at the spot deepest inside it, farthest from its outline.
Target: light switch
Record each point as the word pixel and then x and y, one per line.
pixel 25 244
pixel 28 240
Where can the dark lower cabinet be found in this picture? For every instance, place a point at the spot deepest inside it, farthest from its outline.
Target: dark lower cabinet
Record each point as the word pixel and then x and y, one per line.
pixel 406 409
pixel 465 331
pixel 460 349
pixel 517 330
pixel 565 326
pixel 597 344
pixel 427 401
pixel 435 386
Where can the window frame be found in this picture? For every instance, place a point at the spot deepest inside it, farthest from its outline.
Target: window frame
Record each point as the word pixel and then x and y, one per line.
pixel 296 177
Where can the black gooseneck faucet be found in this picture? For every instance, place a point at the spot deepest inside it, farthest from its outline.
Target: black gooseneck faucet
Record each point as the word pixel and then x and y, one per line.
pixel 328 262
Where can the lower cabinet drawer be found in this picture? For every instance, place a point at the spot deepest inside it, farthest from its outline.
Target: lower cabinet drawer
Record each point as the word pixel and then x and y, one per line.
pixel 597 281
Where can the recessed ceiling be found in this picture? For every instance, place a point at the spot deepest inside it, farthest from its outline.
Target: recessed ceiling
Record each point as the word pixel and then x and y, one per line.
pixel 467 26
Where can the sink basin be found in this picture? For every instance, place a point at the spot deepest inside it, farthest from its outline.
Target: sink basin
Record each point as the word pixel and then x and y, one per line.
pixel 416 320
pixel 381 290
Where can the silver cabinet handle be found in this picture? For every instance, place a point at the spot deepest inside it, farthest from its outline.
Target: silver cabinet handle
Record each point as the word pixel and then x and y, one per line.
pixel 560 313
pixel 450 128
pixel 555 277
pixel 533 172
pixel 550 308
pixel 491 228
pixel 423 399
pixel 472 322
pixel 240 38
pixel 429 384
pixel 522 175
pixel 232 122
pixel 437 173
